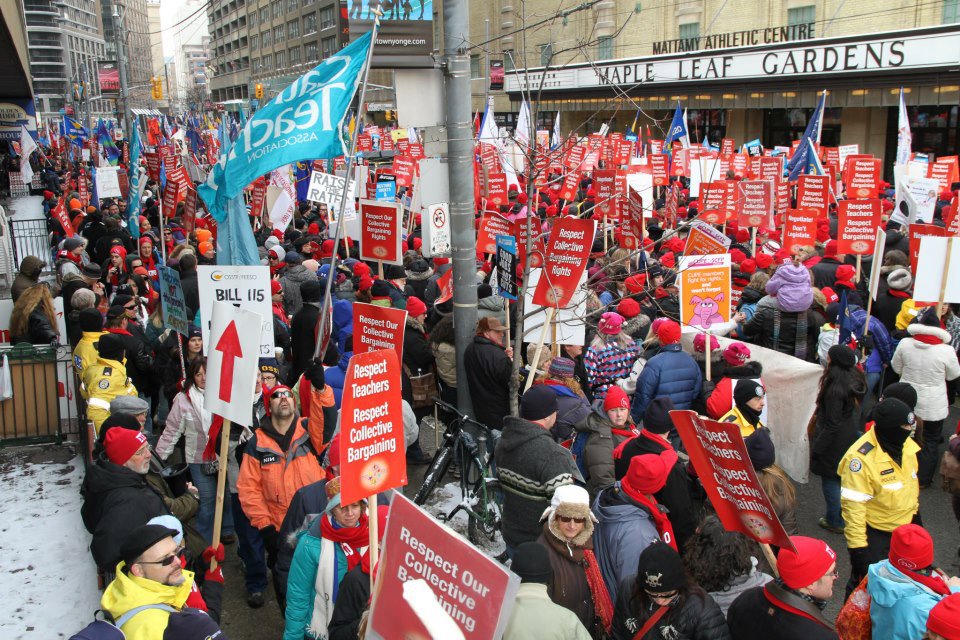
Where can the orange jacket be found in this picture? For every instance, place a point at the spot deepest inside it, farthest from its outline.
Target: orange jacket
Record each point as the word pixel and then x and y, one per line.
pixel 269 478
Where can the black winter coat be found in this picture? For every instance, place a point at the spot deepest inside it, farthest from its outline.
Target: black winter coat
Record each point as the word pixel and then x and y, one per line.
pixel 753 616
pixel 352 597
pixel 191 292
pixel 886 309
pixel 139 360
pixel 760 330
pixel 417 357
pixel 838 423
pixel 302 340
pixel 116 501
pixel 488 373
pixel 39 330
pixel 825 272
pixel 697 618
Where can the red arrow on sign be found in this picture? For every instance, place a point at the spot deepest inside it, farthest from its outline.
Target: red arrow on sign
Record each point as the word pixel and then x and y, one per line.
pixel 229 346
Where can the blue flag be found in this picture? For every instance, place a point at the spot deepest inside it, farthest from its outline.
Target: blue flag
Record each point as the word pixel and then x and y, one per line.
pixel 74 130
pixel 133 206
pixel 106 143
pixel 678 128
pixel 302 171
pixel 302 121
pixel 807 161
pixel 845 324
pixel 812 132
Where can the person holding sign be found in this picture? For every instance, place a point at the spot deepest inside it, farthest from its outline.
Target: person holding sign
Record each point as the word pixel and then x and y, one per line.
pixel 334 544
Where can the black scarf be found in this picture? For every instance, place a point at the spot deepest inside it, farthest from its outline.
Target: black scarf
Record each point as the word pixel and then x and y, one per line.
pixel 891 441
pixel 752 416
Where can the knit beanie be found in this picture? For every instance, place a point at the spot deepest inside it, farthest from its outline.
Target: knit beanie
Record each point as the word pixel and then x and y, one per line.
pixel 903 391
pixel 616 398
pixel 628 308
pixel 311 291
pixel 130 405
pixel 636 283
pixel 944 619
pixel 610 323
pixel 760 449
pixel 121 444
pixel 141 539
pixel 763 260
pixel 561 367
pixel 668 332
pixel 842 356
pixel 648 473
pixel 660 569
pixel 415 307
pixel 91 320
pixel 747 390
pixel 736 354
pixel 806 565
pixel 110 347
pixel 891 413
pixel 700 343
pixel 656 419
pixel 911 548
pixel 538 403
pixel 899 280
pixel 532 563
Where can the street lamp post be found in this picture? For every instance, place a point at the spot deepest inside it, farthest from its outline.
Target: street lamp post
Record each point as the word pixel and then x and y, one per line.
pixel 122 67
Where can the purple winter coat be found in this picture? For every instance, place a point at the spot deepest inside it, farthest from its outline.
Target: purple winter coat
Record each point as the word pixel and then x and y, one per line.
pixel 791 285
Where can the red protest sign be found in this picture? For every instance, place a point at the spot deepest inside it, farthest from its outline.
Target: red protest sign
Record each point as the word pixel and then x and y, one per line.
pixel 857 226
pixel 571 184
pixel 259 197
pixel 720 458
pixel 416 151
pixel 918 231
pixel 404 169
pixel 497 188
pixel 783 198
pixel 713 198
pixel 179 175
pixel 799 229
pixel 945 171
pixel 604 183
pixel 380 225
pixel 726 145
pixel 740 164
pixel 189 217
pixel 813 192
pixel 376 327
pixel 60 212
pixel 681 163
pixel 492 225
pixel 770 168
pixel 567 250
pixel 153 165
pixel 656 146
pixel 476 591
pixel 756 203
pixel 862 176
pixel 445 284
pixel 574 157
pixel 171 195
pixel 373 455
pixel 661 169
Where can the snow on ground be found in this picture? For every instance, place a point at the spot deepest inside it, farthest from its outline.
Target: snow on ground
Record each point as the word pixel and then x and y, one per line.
pixel 445 499
pixel 48 575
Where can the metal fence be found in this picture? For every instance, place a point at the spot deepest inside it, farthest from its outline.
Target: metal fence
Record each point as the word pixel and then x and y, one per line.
pixel 31 238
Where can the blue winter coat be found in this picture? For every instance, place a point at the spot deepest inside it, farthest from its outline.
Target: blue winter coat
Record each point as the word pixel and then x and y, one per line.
pixel 342 325
pixel 671 373
pixel 899 606
pixel 336 377
pixel 624 529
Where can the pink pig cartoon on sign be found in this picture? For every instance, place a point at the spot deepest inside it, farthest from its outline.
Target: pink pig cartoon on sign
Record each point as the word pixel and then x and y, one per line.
pixel 706 311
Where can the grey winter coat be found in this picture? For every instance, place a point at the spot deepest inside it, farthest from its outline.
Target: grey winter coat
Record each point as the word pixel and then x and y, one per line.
pixel 738 585
pixel 624 530
pixel 295 275
pixel 598 452
pixel 491 307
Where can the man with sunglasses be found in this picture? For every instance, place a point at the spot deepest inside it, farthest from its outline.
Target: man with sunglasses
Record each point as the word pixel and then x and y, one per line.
pixel 148 597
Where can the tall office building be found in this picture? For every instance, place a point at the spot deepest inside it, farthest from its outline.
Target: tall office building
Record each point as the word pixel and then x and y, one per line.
pixel 135 28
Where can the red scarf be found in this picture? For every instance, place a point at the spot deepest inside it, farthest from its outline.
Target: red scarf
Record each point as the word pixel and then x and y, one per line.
pixel 660 519
pixel 353 540
pixel 934 581
pixel 69 255
pixel 926 339
pixel 281 314
pixel 602 605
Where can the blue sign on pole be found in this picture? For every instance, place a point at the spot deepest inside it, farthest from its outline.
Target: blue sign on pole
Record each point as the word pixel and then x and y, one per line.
pixel 387 191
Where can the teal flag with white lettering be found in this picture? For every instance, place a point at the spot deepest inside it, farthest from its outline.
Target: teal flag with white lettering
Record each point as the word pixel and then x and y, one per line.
pixel 303 121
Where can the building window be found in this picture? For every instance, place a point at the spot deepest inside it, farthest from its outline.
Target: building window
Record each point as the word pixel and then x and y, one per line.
pixel 294 56
pixel 605 48
pixel 951 11
pixel 310 52
pixel 293 5
pixel 268 62
pixel 807 15
pixel 266 38
pixel 508 60
pixel 264 15
pixel 277 8
pixel 327 18
pixel 307 3
pixel 474 66
pixel 254 43
pixel 328 46
pixel 309 23
pixel 278 59
pixel 252 19
pixel 278 34
pixel 293 29
pixel 689 30
pixel 546 54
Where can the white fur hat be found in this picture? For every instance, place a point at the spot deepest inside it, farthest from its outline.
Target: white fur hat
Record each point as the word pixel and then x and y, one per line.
pixel 568 494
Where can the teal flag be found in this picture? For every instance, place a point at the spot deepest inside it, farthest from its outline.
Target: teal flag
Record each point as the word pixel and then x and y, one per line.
pixel 133 197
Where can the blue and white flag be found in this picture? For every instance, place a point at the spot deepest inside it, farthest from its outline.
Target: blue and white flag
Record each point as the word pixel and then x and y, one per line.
pixel 806 161
pixel 678 128
pixel 74 130
pixel 133 200
pixel 812 132
pixel 556 140
pixel 303 121
pixel 904 135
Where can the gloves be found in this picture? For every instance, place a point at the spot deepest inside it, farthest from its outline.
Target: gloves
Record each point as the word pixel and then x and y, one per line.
pixel 214 575
pixel 315 375
pixel 866 342
pixel 209 553
pixel 860 560
pixel 270 538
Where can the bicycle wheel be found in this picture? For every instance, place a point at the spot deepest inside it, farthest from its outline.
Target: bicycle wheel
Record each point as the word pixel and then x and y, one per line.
pixel 441 461
pixel 485 518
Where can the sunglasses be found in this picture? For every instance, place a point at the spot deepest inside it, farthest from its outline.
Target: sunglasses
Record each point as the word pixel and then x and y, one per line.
pixel 134 308
pixel 273 258
pixel 568 520
pixel 282 394
pixel 166 561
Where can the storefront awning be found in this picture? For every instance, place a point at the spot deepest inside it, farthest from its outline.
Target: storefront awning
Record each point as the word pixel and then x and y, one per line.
pixel 146 112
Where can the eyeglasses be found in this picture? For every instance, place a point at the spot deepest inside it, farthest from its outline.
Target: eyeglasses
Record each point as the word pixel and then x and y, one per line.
pixel 272 258
pixel 282 394
pixel 568 520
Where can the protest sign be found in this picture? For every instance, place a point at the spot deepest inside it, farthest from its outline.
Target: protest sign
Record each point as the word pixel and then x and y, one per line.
pixel 720 458
pixel 924 192
pixel 327 188
pixel 857 226
pixel 937 278
pixel 569 320
pixel 944 171
pixel 799 229
pixel 506 265
pixel 476 591
pixel 436 230
pixel 281 211
pixel 813 192
pixel 259 197
pixel 642 183
pixel 879 244
pixel 372 448
pixel 491 226
pixel 380 225
pixel 704 283
pixel 189 216
pixel 107 183
pixel 603 183
pixel 497 188
pixel 232 360
pixel 917 231
pixel 386 190
pixel 171 195
pixel 756 203
pixel 246 287
pixel 770 168
pixel 60 213
pixel 376 327
pixel 862 177
pixel 783 198
pixel 713 199
pixel 844 151
pixel 631 227
pixel 567 250
pixel 703 239
pixel 404 169
pixel 173 305
pixel 570 186
pixel 659 164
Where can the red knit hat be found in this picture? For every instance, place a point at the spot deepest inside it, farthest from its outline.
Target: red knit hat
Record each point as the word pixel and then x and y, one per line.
pixel 268 396
pixel 366 282
pixel 668 332
pixel 616 399
pixel 736 354
pixel 121 444
pixel 830 249
pixel 782 257
pixel 743 235
pixel 737 256
pixel 911 548
pixel 806 565
pixel 668 260
pixel 275 287
pixel 944 619
pixel 628 308
pixel 648 473
pixel 830 295
pixel 636 282
pixel 748 266
pixel 361 269
pixel 845 274
pixel 700 343
pixel 763 260
pixel 415 307
pixel 327 249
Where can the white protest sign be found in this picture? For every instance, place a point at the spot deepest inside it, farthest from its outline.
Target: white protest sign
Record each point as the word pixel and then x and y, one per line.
pixel 706 169
pixel 570 319
pixel 108 184
pixel 876 263
pixel 924 192
pixel 933 266
pixel 243 287
pixel 844 151
pixel 642 183
pixel 232 363
pixel 328 189
pixel 281 211
pixel 436 231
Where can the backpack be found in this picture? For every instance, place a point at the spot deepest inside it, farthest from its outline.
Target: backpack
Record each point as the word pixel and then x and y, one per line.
pixel 577 447
pixel 104 630
pixel 853 622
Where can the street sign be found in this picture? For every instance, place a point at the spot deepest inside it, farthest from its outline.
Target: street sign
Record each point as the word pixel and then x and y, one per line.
pixel 242 287
pixel 232 363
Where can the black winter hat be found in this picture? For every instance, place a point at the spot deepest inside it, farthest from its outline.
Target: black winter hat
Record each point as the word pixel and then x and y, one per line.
pixel 657 417
pixel 746 390
pixel 532 563
pixel 119 420
pixel 484 290
pixel 930 318
pixel 538 403
pixel 380 289
pixel 90 320
pixel 311 291
pixel 394 272
pixel 892 414
pixel 660 569
pixel 418 266
pixel 110 347
pixel 760 449
pixel 902 391
pixel 843 356
pixel 141 539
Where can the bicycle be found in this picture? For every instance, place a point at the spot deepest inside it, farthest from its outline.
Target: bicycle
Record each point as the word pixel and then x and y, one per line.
pixel 482 500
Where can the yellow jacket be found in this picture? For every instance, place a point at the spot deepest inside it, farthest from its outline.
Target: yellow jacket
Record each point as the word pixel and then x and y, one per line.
pixel 128 591
pixel 874 490
pixel 86 353
pixel 734 415
pixel 908 313
pixel 102 382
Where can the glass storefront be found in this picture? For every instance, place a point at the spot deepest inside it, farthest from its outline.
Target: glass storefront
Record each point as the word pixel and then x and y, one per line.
pixel 782 126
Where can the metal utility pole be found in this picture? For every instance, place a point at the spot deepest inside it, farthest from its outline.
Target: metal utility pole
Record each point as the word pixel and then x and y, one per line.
pixel 486 58
pixel 456 30
pixel 122 67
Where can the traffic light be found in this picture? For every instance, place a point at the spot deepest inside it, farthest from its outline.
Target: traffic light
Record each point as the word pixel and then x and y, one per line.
pixel 156 89
pixel 258 91
pixel 391 115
